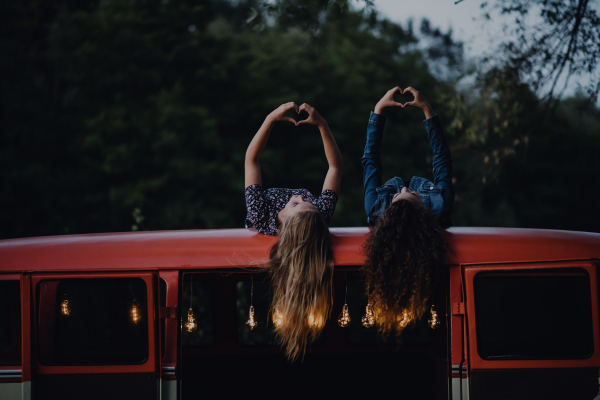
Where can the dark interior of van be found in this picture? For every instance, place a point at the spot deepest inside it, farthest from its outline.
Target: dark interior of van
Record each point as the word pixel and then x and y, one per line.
pixel 224 358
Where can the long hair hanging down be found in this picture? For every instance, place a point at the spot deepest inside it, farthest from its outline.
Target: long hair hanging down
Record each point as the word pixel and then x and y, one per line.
pixel 404 255
pixel 301 265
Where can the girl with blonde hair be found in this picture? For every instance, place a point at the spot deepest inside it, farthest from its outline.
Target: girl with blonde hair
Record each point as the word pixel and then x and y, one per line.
pixel 301 262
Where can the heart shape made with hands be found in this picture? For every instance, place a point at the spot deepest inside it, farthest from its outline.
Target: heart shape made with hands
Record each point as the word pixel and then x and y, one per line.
pixel 300 116
pixel 404 93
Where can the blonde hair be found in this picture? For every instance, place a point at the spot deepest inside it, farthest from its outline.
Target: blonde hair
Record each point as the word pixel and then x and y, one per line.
pixel 301 265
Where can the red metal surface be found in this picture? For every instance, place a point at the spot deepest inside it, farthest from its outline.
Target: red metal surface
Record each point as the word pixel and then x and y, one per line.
pixel 150 365
pixel 231 248
pixel 458 343
pixel 476 362
pixel 170 356
pixel 26 327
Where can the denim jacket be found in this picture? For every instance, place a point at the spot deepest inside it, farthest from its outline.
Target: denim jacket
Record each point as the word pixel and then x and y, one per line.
pixel 438 195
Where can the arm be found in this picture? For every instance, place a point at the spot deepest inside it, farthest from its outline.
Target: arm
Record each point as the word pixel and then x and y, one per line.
pixel 442 160
pixel 257 145
pixel 333 179
pixel 372 170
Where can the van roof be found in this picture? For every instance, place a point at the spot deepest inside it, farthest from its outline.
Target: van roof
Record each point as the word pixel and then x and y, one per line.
pixel 234 248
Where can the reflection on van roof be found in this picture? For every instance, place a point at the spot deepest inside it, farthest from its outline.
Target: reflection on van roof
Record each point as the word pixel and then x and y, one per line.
pixel 234 248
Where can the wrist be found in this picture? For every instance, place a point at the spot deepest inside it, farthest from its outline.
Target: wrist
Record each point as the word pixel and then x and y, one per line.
pixel 427 110
pixel 378 109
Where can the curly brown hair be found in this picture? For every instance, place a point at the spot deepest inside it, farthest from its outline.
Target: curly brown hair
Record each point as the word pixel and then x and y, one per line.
pixel 404 254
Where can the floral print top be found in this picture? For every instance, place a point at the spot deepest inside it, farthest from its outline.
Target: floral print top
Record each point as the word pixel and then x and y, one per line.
pixel 263 206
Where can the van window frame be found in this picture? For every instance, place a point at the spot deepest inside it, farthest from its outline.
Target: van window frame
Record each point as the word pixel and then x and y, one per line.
pixel 477 362
pixel 151 362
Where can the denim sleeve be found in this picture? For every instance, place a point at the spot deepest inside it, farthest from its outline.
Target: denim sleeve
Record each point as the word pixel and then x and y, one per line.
pixel 442 165
pixel 371 161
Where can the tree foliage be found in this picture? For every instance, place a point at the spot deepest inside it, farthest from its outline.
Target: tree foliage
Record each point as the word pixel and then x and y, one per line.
pixel 136 114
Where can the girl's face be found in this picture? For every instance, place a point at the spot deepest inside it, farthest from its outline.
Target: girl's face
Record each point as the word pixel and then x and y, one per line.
pixel 296 204
pixel 407 194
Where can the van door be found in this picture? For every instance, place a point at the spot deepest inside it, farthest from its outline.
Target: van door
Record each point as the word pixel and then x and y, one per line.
pixel 533 331
pixel 95 335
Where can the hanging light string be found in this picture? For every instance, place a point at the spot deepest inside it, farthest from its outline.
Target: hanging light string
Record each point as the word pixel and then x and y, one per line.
pixel 190 324
pixel 434 321
pixel 251 323
pixel 135 312
pixel 344 319
pixel 368 320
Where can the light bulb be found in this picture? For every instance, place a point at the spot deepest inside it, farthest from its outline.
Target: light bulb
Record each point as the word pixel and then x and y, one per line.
pixel 190 324
pixel 434 322
pixel 277 318
pixel 405 320
pixel 251 321
pixel 64 307
pixel 368 320
pixel 135 313
pixel 344 319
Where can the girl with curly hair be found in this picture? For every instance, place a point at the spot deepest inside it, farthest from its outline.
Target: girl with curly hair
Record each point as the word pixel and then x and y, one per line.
pixel 301 262
pixel 407 247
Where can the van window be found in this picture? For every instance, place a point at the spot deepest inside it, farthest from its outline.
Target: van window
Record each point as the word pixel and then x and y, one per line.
pixel 202 307
pixel 10 323
pixel 92 321
pixel 526 315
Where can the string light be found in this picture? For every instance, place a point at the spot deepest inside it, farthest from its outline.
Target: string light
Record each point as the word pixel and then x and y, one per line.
pixel 64 307
pixel 277 318
pixel 405 320
pixel 251 323
pixel 344 319
pixel 135 312
pixel 190 324
pixel 368 320
pixel 434 322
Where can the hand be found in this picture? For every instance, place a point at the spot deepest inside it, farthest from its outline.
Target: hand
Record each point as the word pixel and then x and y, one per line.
pixel 314 118
pixel 279 114
pixel 419 101
pixel 388 100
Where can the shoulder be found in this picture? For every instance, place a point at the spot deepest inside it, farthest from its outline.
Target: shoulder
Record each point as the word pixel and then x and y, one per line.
pixel 253 190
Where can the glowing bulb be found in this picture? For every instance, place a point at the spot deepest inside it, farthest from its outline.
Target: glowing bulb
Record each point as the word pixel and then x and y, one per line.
pixel 64 307
pixel 344 319
pixel 434 322
pixel 251 321
pixel 277 318
pixel 368 320
pixel 135 313
pixel 404 321
pixel 190 324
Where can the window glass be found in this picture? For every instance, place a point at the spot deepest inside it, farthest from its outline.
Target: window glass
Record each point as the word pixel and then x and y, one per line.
pixel 533 315
pixel 199 295
pixel 10 323
pixel 92 321
pixel 357 334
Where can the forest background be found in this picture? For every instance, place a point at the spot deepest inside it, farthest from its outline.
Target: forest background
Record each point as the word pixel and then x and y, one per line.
pixel 136 115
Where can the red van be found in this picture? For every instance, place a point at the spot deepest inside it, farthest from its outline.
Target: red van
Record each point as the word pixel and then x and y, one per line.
pixel 104 316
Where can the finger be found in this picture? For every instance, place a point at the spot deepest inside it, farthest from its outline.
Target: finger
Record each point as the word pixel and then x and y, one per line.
pixel 296 108
pixel 409 90
pixel 398 104
pixel 410 103
pixel 288 106
pixel 290 119
pixel 304 121
pixel 397 89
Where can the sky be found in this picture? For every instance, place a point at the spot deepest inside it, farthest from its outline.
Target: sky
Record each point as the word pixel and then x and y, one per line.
pixel 465 21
